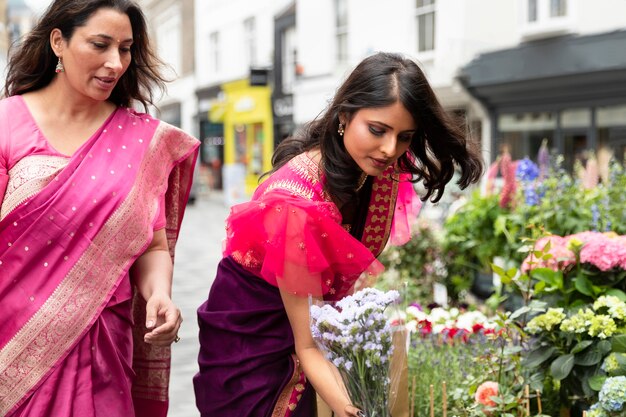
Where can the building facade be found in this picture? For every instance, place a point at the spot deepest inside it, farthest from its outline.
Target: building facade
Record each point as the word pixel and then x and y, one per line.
pixel 564 82
pixel 235 56
pixel 172 30
pixel 516 72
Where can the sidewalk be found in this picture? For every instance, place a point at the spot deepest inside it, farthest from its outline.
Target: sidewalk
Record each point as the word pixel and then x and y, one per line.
pixel 197 255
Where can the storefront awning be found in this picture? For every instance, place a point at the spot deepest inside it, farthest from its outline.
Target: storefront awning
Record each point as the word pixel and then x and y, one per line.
pixel 566 71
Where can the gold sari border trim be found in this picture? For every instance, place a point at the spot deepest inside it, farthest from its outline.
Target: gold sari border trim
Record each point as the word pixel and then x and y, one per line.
pixel 282 404
pixel 40 168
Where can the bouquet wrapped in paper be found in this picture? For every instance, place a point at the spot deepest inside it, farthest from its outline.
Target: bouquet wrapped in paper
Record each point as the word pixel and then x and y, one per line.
pixel 357 338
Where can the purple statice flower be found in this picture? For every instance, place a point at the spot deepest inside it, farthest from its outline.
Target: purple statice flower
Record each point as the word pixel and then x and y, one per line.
pixel 354 332
pixel 526 170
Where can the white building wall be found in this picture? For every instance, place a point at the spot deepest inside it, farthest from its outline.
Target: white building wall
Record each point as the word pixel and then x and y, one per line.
pixel 600 16
pixel 463 29
pixel 226 17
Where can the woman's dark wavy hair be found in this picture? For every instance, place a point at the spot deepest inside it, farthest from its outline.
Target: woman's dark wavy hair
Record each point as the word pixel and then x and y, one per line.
pixel 32 65
pixel 438 147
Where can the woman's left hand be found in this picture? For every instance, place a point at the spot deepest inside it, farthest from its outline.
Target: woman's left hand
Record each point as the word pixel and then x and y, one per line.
pixel 163 319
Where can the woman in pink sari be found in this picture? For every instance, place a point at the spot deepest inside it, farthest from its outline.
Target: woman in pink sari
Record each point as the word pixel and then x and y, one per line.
pixel 92 196
pixel 337 194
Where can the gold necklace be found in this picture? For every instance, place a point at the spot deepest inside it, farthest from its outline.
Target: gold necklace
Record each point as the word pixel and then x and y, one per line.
pixel 361 183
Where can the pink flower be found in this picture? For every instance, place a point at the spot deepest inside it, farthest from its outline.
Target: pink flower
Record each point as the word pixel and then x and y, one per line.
pixel 604 252
pixel 485 391
pixel 491 175
pixel 561 256
pixel 591 174
pixel 507 168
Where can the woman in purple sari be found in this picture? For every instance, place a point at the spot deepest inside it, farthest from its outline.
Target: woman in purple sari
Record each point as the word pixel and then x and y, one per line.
pixel 336 195
pixel 92 195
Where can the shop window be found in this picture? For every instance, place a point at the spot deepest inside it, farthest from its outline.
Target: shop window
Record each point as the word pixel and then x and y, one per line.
pixel 523 133
pixel 611 124
pixel 425 22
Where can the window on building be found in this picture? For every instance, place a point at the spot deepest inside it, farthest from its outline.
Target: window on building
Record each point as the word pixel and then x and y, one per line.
pixel 169 39
pixel 532 10
pixel 341 29
pixel 547 18
pixel 558 8
pixel 249 26
pixel 289 59
pixel 425 18
pixel 214 45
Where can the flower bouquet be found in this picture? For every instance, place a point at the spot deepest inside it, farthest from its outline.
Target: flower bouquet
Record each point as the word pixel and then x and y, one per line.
pixel 356 336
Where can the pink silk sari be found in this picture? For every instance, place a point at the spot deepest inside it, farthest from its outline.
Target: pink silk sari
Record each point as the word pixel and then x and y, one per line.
pixel 68 238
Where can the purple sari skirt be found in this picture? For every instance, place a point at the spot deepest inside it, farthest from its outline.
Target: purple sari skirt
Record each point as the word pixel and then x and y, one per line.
pixel 246 344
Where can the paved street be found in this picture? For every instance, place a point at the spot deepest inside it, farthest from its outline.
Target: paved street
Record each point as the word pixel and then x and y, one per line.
pixel 197 254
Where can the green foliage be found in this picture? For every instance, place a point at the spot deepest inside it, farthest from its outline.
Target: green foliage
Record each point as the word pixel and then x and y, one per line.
pixel 433 361
pixel 414 267
pixel 568 345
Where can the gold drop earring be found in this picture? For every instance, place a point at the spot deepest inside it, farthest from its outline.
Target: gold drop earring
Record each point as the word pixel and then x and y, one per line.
pixel 59 68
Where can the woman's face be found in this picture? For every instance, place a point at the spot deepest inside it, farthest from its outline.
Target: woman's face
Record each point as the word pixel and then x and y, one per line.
pixel 97 54
pixel 376 137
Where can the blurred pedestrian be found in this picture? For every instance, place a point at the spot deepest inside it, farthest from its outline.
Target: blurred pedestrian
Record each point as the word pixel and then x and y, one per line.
pixel 92 195
pixel 338 191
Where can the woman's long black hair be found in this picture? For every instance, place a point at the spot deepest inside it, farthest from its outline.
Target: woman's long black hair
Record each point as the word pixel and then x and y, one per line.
pixel 32 65
pixel 439 145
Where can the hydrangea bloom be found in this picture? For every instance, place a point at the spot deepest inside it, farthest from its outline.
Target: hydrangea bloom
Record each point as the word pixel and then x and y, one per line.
pixel 611 363
pixel 613 394
pixel 578 323
pixel 546 322
pixel 615 307
pixel 604 251
pixel 602 326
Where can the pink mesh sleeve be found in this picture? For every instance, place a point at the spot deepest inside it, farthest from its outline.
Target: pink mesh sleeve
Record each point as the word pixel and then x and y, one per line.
pixel 408 206
pixel 297 245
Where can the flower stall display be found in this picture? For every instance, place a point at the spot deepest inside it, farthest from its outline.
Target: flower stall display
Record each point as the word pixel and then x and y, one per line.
pixel 578 268
pixel 575 346
pixel 356 336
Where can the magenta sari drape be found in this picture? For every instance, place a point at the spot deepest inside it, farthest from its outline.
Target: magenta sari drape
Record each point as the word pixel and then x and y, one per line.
pixel 65 254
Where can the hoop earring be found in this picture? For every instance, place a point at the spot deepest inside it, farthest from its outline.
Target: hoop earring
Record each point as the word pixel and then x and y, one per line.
pixel 341 129
pixel 59 68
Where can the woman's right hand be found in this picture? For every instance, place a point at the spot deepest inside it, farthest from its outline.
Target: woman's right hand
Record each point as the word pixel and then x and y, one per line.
pixel 352 411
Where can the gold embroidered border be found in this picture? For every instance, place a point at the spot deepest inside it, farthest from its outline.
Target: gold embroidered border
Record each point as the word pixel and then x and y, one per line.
pixel 294 187
pixel 280 409
pixel 29 176
pixel 308 170
pixel 380 213
pixel 51 332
